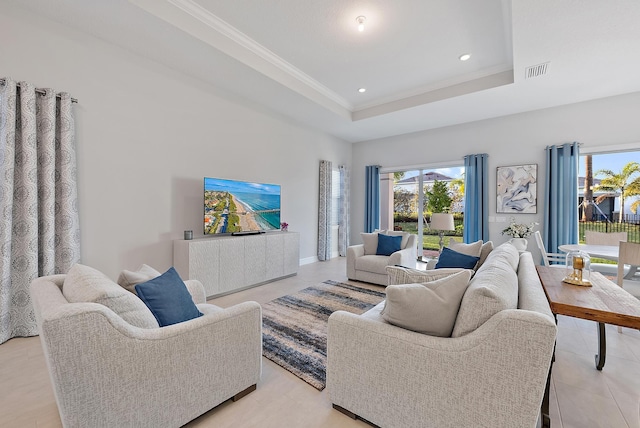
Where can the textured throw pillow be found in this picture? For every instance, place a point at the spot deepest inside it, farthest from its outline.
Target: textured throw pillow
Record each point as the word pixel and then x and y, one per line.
pixel 487 248
pixel 370 241
pixel 168 299
pixel 85 284
pixel 453 259
pixel 472 249
pixel 429 308
pixel 129 279
pixel 388 245
pixel 405 275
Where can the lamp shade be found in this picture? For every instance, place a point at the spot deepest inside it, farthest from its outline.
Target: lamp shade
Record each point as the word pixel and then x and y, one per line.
pixel 442 221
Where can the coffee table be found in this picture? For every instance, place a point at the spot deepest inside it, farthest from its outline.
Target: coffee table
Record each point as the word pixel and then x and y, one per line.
pixel 605 302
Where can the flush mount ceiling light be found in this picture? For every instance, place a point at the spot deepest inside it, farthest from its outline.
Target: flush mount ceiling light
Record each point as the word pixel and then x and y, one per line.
pixel 360 20
pixel 464 57
pixel 362 90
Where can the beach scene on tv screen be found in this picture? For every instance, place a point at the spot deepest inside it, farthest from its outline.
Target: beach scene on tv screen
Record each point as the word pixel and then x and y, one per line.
pixel 232 206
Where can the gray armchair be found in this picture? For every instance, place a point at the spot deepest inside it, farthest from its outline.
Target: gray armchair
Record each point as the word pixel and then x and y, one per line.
pixel 107 372
pixel 364 265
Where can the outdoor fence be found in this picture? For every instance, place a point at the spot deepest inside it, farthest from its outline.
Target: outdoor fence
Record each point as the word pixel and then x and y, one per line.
pixel 630 225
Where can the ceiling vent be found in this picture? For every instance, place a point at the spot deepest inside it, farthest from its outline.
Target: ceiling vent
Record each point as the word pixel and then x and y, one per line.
pixel 536 70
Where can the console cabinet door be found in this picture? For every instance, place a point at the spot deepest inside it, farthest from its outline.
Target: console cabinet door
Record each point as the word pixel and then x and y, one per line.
pixel 255 248
pixel 232 262
pixel 275 255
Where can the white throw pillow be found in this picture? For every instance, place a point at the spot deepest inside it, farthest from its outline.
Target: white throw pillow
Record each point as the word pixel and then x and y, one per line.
pixel 430 308
pixel 85 284
pixel 129 279
pixel 472 249
pixel 370 241
pixel 405 275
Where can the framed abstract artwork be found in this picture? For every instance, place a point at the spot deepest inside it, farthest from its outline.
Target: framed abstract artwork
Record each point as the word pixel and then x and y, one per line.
pixel 517 189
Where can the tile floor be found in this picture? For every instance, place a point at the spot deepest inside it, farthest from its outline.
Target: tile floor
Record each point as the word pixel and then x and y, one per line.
pixel 581 397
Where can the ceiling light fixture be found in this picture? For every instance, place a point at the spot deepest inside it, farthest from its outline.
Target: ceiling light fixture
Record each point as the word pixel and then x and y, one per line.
pixel 360 20
pixel 464 57
pixel 362 90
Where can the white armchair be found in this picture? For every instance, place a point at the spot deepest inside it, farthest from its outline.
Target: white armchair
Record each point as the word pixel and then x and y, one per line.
pixel 363 264
pixel 107 372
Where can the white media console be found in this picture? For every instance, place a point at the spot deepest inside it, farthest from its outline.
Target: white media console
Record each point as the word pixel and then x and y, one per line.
pixel 226 264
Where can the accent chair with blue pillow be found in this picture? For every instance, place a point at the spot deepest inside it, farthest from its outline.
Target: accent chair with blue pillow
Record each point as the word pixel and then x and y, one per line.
pixel 368 261
pixel 112 365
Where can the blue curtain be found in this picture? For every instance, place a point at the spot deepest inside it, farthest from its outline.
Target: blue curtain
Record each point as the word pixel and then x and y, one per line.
pixel 476 198
pixel 372 199
pixel 560 223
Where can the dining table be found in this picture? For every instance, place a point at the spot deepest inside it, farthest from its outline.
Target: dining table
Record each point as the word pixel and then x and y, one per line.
pixel 607 252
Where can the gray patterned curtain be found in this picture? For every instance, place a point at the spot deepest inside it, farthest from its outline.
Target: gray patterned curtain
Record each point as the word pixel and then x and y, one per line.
pixel 343 230
pixel 324 212
pixel 39 227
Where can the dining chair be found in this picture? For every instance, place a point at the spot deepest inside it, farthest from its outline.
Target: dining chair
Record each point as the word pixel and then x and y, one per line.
pixel 592 237
pixel 628 254
pixel 549 258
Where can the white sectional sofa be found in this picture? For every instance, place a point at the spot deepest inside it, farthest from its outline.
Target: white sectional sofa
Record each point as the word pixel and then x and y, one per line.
pixel 491 372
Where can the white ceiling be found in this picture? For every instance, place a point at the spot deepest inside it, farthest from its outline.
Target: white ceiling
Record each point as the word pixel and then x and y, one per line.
pixel 305 59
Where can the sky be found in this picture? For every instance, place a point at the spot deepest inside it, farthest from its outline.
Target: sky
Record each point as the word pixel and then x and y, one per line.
pixel 612 161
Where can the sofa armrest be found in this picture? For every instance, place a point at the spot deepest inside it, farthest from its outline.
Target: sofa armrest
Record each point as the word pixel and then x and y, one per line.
pixel 196 289
pixel 406 257
pixel 431 264
pixel 353 252
pixel 98 362
pixel 373 367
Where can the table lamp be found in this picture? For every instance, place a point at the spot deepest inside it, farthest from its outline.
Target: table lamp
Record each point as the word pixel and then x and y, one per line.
pixel 442 222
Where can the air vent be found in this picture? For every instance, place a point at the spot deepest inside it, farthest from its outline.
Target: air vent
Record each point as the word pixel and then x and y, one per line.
pixel 536 70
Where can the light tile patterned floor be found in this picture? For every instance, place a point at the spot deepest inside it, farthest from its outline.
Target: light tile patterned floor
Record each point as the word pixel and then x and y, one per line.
pixel 581 396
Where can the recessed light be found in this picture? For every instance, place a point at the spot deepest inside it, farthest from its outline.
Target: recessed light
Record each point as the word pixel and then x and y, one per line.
pixel 464 57
pixel 360 20
pixel 362 90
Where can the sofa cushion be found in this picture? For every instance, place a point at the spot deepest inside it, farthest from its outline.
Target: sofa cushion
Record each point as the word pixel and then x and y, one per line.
pixel 85 284
pixel 472 249
pixel 129 279
pixel 370 241
pixel 429 308
pixel 493 289
pixel 453 259
pixel 168 299
pixel 405 275
pixel 404 235
pixel 388 245
pixel 372 263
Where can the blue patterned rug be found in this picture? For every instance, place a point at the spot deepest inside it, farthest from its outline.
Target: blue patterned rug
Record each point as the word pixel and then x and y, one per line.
pixel 294 327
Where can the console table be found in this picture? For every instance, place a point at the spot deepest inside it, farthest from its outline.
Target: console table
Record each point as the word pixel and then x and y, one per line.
pixel 226 264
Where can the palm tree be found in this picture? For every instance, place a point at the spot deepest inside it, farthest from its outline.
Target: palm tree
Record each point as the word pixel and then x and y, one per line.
pixel 634 190
pixel 619 182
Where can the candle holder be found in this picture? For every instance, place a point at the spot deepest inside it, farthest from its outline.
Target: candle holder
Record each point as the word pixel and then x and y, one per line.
pixel 578 268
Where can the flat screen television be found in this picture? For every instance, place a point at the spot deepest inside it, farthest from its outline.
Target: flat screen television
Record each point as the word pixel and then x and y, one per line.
pixel 232 206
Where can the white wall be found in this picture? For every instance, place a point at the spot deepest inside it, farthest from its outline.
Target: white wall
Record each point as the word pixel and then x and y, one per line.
pixel 147 135
pixel 510 140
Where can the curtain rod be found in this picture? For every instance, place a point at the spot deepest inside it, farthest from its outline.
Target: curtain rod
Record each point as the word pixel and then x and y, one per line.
pixel 38 91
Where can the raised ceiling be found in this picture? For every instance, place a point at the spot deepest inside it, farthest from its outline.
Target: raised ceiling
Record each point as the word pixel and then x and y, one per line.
pixel 306 59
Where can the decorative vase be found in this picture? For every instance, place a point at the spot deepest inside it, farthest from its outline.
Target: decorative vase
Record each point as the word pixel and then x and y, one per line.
pixel 519 243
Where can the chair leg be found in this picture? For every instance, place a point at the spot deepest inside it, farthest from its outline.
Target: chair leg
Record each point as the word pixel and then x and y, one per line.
pixel 241 394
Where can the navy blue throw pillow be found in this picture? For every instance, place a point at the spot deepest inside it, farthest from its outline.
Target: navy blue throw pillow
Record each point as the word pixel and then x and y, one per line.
pixel 453 259
pixel 168 299
pixel 388 245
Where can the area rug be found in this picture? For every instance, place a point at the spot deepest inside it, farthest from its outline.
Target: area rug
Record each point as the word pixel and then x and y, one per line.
pixel 294 327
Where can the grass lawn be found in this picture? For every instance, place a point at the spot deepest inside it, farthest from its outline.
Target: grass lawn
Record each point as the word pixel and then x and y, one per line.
pixel 430 239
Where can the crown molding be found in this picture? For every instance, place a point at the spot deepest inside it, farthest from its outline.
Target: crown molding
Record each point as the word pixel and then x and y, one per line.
pixel 212 21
